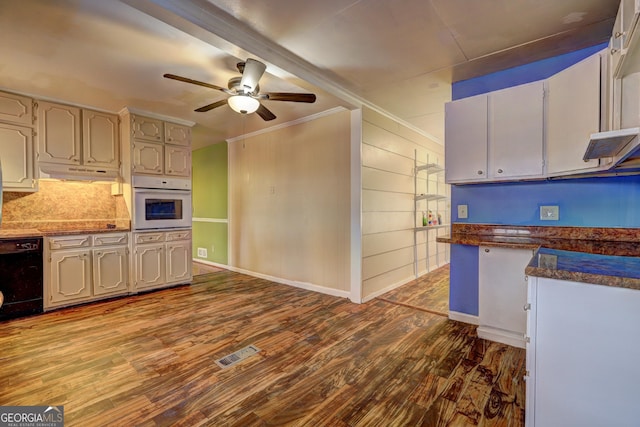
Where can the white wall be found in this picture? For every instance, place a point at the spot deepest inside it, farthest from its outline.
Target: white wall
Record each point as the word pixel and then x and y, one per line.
pixel 289 207
pixel 388 219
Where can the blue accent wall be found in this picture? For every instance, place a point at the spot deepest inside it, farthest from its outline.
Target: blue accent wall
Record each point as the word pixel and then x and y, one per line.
pixel 585 202
pixel 463 292
pixel 520 75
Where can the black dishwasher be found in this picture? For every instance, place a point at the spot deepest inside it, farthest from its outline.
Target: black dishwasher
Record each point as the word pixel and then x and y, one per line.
pixel 20 277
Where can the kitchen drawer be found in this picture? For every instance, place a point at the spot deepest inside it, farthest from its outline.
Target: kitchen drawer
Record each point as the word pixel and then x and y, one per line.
pixel 153 237
pixel 110 239
pixel 178 235
pixel 68 242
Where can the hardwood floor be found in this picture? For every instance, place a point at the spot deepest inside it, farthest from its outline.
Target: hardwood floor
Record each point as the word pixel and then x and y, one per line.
pixel 429 292
pixel 149 360
pixel 198 268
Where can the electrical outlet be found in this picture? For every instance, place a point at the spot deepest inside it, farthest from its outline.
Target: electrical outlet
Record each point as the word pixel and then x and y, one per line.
pixel 549 213
pixel 463 211
pixel 202 252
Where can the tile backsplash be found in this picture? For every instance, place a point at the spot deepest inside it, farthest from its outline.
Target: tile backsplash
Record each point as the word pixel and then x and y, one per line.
pixel 64 205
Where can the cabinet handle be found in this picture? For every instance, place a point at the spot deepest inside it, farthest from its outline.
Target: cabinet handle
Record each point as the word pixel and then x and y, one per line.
pixel 500 171
pixel 614 51
pixel 618 34
pixel 526 307
pixel 487 250
pixel 479 172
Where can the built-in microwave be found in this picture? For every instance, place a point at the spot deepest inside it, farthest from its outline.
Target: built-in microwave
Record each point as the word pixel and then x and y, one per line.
pixel 166 207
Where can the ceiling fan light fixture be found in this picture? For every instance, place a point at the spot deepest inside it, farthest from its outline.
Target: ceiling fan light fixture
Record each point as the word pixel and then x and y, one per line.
pixel 243 104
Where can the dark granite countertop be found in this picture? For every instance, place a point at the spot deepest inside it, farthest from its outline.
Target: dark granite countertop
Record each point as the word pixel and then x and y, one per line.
pixel 604 256
pixel 34 232
pixel 607 270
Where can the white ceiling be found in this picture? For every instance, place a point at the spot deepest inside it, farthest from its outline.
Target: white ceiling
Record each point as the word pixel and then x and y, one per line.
pixel 398 56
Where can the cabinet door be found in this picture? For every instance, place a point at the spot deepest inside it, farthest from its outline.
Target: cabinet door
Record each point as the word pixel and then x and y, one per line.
pixel 466 140
pixel 516 124
pixel 146 129
pixel 58 133
pixel 100 139
pixel 70 275
pixel 503 294
pixel 177 134
pixel 585 348
pixel 150 266
pixel 179 261
pixel 16 155
pixel 110 270
pixel 16 109
pixel 630 10
pixel 573 114
pixel 177 161
pixel 147 157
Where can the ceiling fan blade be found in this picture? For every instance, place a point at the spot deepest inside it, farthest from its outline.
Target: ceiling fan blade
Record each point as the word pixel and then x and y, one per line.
pixel 211 106
pixel 265 113
pixel 195 82
pixel 253 70
pixel 293 97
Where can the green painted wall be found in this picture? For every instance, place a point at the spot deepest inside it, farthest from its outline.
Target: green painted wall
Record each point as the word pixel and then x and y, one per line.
pixel 210 171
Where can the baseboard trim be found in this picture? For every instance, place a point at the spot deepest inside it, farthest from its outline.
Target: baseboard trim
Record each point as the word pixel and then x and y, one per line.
pixel 500 335
pixel 302 285
pixel 211 263
pixel 464 317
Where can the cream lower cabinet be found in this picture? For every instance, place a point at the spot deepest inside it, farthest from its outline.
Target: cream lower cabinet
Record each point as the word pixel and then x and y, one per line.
pixel 582 355
pixel 84 268
pixel 161 258
pixel 502 294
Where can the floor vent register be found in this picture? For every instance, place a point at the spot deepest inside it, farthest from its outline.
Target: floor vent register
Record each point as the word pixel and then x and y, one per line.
pixel 237 356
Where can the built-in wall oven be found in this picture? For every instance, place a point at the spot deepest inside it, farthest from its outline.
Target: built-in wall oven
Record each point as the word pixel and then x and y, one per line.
pixel 161 202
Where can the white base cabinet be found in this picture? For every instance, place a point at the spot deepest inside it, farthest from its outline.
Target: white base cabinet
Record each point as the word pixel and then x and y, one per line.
pixel 83 268
pixel 582 357
pixel 503 294
pixel 161 258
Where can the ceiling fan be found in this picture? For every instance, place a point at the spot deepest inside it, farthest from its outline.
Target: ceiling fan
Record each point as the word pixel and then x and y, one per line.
pixel 245 93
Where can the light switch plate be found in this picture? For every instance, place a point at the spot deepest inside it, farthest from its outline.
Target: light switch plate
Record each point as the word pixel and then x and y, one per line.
pixel 463 211
pixel 549 213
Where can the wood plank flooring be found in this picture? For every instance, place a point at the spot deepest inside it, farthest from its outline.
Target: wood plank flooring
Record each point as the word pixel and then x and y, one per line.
pixel 148 360
pixel 429 292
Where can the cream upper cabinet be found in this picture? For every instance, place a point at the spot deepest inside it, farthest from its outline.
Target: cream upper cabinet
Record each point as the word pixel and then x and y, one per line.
pixel 157 147
pixel 177 161
pixel 496 136
pixel 16 109
pixel 466 140
pixel 573 114
pixel 74 136
pixel 147 158
pixel 16 143
pixel 177 134
pixel 16 155
pixel 516 120
pixel 100 139
pixel 58 133
pixel 146 129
